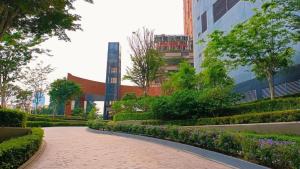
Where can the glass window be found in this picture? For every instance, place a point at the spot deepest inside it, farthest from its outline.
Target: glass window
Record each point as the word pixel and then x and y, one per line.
pixel 219 9
pixel 204 22
pixel 114 70
pixel 114 80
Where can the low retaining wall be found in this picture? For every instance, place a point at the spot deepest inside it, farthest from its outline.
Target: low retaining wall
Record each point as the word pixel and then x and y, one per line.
pixel 11 132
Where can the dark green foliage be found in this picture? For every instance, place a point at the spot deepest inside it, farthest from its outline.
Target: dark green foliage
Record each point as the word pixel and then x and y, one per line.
pixel 129 96
pixel 14 152
pixel 53 119
pixel 279 116
pixel 262 106
pixel 12 118
pixel 39 18
pixel 269 152
pixel 192 104
pixel 53 124
pixel 97 124
pixel 133 116
pixel 183 104
pixel 49 121
pixel 266 117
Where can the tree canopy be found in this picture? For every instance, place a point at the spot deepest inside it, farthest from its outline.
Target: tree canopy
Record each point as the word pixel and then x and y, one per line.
pixel 263 42
pixel 38 18
pixel 63 90
pixel 147 61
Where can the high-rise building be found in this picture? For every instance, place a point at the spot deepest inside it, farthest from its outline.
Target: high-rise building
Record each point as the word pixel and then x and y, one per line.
pixel 113 76
pixel 211 15
pixel 175 49
pixel 188 18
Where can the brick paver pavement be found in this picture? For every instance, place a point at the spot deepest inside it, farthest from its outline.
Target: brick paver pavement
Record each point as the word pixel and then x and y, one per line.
pixel 77 148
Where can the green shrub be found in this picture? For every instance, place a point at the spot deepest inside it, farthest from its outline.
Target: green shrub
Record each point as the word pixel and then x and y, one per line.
pixel 266 117
pixel 269 152
pixel 14 152
pixel 97 124
pixel 133 116
pixel 53 124
pixel 262 106
pixel 192 104
pixel 52 119
pixel 279 116
pixel 12 118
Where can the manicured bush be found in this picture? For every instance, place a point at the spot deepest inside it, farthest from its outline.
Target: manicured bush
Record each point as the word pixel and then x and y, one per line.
pixel 12 118
pixel 269 152
pixel 266 117
pixel 14 152
pixel 53 124
pixel 278 116
pixel 51 118
pixel 192 104
pixel 97 124
pixel 262 106
pixel 181 105
pixel 133 116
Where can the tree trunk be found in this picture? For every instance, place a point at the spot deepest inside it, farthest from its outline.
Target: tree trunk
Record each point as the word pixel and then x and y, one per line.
pixel 3 101
pixel 3 94
pixel 271 85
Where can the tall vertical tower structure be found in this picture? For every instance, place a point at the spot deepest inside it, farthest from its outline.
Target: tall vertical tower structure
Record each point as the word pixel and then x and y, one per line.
pixel 113 77
pixel 188 18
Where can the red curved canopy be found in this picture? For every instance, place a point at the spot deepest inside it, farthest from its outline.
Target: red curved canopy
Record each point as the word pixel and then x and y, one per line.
pixel 98 88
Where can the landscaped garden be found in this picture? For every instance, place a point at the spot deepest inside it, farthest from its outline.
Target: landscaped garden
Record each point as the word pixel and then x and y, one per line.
pixel 17 143
pixel 243 130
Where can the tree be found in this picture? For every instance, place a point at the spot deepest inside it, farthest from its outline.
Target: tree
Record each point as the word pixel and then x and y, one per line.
pixel 184 79
pixel 23 99
pixel 263 42
pixel 38 18
pixel 288 9
pixel 146 60
pixel 36 80
pixel 10 94
pixel 62 91
pixel 215 71
pixel 15 53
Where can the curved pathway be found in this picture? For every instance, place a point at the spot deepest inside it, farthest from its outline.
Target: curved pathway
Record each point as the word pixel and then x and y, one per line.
pixel 77 148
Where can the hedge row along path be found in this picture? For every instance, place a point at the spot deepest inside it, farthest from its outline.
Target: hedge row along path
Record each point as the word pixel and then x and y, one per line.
pixel 78 147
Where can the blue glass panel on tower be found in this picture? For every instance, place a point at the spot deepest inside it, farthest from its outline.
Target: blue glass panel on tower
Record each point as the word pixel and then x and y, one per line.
pixel 113 77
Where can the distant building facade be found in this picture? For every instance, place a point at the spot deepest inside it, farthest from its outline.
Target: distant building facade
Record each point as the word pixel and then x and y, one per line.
pixel 188 17
pixel 211 15
pixel 175 49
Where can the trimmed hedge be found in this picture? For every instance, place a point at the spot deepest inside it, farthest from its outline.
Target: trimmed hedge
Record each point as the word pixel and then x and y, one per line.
pixel 12 118
pixel 14 152
pixel 278 116
pixel 268 152
pixel 55 119
pixel 262 106
pixel 97 124
pixel 133 116
pixel 54 124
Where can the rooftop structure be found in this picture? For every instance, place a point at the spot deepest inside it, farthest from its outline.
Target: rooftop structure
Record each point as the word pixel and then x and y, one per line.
pixel 175 49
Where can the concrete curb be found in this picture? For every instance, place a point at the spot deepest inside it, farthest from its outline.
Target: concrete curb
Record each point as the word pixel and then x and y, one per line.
pixel 210 155
pixel 37 155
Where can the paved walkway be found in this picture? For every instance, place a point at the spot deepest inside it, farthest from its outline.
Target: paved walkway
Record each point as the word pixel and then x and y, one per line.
pixel 77 148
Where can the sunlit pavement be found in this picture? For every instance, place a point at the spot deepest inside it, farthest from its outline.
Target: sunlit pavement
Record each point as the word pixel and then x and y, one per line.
pixel 77 148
